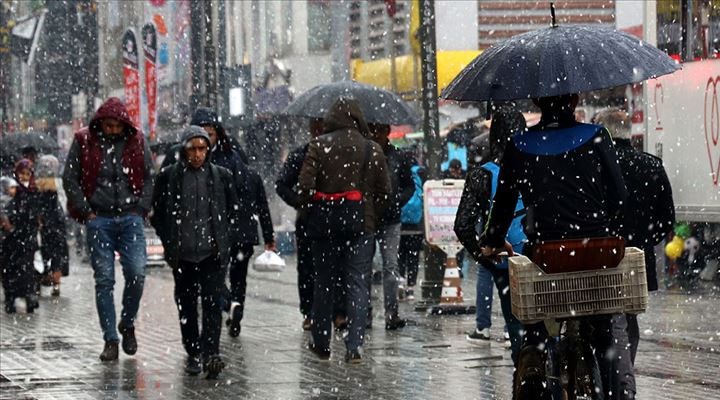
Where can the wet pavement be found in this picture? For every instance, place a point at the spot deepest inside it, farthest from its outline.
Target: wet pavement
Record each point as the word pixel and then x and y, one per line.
pixel 53 353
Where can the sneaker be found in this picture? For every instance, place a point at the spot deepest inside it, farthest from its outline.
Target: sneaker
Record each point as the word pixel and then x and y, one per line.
pixel 506 339
pixel 377 278
pixel 410 293
pixel 306 324
pixel 394 322
pixel 340 323
pixel 193 366
pixel 322 354
pixel 353 356
pixel 233 322
pixel 479 335
pixel 110 352
pixel 213 366
pixel 129 343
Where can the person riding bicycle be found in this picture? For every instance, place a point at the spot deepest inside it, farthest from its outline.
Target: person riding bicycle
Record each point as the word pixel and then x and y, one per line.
pixel 572 187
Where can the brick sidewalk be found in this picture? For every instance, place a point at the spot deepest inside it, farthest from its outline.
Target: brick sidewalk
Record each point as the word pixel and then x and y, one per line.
pixel 53 354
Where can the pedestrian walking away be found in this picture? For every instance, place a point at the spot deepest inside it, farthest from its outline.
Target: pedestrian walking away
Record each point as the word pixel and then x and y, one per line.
pixel 649 216
pixel 411 235
pixel 388 229
pixel 194 212
pixel 577 164
pixel 286 186
pixel 345 183
pixel 108 181
pixel 472 215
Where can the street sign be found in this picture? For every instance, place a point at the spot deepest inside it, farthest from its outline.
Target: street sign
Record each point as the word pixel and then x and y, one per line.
pixel 441 201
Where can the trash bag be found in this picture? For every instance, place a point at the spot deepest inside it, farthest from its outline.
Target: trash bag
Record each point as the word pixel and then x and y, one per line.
pixel 269 261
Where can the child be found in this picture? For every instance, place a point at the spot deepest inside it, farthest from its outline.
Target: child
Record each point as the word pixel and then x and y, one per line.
pixel 20 245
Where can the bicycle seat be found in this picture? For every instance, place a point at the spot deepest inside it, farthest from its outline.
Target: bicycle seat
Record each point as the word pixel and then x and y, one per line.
pixel 571 255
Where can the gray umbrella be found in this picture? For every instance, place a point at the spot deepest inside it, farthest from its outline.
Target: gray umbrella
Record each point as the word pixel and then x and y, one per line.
pixel 378 106
pixel 558 60
pixel 42 142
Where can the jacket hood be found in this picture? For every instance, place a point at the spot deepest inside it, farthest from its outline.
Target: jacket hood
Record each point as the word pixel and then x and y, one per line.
pixel 112 108
pixel 206 116
pixel 346 114
pixel 192 132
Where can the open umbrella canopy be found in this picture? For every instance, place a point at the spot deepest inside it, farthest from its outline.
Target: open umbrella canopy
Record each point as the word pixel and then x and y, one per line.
pixel 42 142
pixel 378 106
pixel 558 60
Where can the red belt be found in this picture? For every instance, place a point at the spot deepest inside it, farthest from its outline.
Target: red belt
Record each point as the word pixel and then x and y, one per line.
pixel 353 195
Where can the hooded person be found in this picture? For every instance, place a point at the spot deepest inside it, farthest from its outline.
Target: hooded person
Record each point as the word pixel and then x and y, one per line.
pixel 225 151
pixel 345 184
pixel 195 212
pixel 20 244
pixel 108 182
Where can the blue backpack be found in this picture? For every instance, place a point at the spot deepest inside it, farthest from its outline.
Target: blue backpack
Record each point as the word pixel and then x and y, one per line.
pixel 412 211
pixel 516 234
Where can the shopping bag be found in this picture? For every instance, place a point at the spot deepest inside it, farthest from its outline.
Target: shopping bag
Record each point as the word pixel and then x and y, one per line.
pixel 269 261
pixel 38 263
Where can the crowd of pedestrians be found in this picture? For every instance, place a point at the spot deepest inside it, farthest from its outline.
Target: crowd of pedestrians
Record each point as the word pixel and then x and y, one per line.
pixel 355 194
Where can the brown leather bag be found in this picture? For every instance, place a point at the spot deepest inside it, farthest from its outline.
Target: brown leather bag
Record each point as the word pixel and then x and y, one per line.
pixel 572 255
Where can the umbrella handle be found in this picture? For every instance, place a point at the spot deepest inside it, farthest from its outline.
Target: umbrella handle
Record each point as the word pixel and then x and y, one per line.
pixel 552 13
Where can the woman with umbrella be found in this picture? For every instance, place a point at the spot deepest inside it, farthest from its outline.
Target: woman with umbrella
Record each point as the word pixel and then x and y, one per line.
pixel 566 172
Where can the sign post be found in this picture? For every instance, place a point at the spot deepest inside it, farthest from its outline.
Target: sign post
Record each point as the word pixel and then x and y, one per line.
pixel 441 201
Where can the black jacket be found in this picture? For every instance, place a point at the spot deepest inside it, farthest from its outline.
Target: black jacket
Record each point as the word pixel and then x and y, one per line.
pixel 570 183
pixel 286 183
pixel 260 210
pixel 399 165
pixel 649 210
pixel 474 209
pixel 167 206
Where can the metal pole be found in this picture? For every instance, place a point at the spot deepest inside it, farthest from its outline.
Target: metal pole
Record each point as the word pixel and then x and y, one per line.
pixel 429 88
pixel 210 60
pixel 4 63
pixel 197 14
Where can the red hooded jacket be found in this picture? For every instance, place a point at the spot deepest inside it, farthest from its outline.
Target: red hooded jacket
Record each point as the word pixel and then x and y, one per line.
pixel 91 154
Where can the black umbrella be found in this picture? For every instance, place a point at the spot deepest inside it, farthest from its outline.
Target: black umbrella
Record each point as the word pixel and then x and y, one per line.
pixel 41 142
pixel 558 60
pixel 379 106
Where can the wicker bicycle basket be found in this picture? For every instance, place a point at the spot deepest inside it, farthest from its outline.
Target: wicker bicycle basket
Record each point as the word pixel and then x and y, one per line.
pixel 536 296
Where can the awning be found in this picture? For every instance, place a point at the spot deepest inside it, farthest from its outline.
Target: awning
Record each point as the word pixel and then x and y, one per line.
pixel 378 73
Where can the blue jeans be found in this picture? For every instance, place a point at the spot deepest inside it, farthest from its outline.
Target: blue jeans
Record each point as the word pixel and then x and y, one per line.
pixel 353 259
pixel 105 236
pixel 487 275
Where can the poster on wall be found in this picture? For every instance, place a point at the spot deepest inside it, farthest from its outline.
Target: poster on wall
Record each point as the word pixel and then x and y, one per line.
pixel 131 76
pixel 149 38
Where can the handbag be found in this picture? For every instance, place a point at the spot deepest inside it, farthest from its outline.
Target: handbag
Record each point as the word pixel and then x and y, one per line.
pixel 338 215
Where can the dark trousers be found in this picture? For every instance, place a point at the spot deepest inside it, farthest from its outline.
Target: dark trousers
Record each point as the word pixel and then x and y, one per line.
pixel 205 279
pixel 598 330
pixel 352 259
pixel 238 275
pixel 306 278
pixel 409 257
pixel 18 277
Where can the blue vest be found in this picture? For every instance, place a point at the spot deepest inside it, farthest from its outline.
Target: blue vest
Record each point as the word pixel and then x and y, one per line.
pixel 412 211
pixel 516 234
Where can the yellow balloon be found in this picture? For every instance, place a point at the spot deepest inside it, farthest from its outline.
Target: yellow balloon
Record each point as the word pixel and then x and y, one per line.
pixel 679 240
pixel 675 248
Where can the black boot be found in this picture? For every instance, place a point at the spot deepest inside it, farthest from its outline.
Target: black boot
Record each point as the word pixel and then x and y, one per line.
pixel 213 366
pixel 110 352
pixel 129 342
